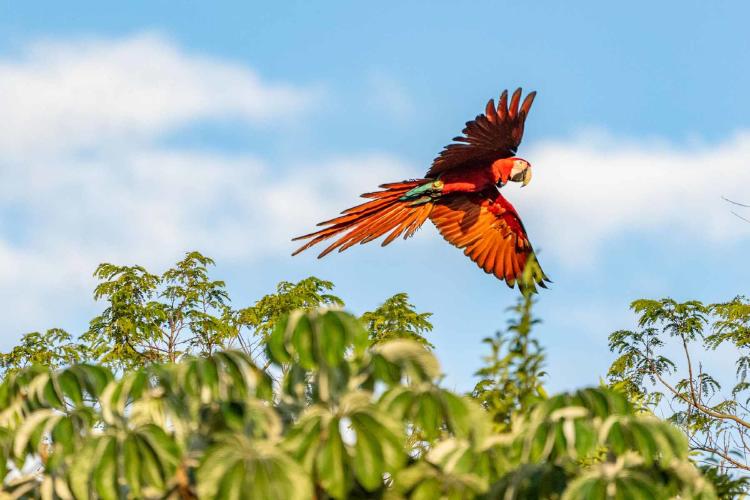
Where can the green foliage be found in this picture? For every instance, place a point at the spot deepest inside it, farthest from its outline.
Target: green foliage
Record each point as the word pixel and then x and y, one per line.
pixel 151 318
pixel 53 348
pixel 725 485
pixel 716 424
pixel 335 424
pixel 511 378
pixel 260 318
pixel 152 402
pixel 634 456
pixel 397 318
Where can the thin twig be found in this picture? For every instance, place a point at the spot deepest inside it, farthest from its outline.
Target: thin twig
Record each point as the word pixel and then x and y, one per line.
pixel 699 406
pixel 729 459
pixel 734 202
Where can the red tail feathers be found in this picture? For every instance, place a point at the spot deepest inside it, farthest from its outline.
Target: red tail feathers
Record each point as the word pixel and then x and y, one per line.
pixel 372 219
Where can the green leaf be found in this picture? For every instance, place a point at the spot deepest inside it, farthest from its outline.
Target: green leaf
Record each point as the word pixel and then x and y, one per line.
pixel 31 430
pixel 276 343
pixel 53 396
pixel 368 464
pixel 105 471
pixel 132 465
pixel 333 342
pixel 79 475
pixel 303 439
pixel 71 387
pixel 64 434
pixel 428 414
pixel 389 437
pixel 302 342
pixel 231 486
pixel 331 462
pixel 236 465
pixel 413 359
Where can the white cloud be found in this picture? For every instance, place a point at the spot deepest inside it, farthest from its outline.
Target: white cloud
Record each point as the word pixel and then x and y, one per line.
pixel 591 191
pixel 64 95
pixel 85 179
pixel 151 205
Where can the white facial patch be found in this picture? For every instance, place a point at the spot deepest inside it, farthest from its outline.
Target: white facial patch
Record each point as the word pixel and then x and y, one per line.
pixel 518 170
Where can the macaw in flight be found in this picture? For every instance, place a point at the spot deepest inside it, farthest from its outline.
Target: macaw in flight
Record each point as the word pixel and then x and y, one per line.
pixel 460 194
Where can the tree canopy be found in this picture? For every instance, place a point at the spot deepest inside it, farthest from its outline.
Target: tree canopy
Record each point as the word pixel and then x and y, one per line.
pixel 173 392
pixel 157 318
pixel 716 422
pixel 334 425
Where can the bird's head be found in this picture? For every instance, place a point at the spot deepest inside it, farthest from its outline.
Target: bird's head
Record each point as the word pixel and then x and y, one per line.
pixel 520 171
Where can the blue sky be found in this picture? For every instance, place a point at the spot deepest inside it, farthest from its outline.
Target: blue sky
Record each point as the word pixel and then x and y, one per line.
pixel 139 131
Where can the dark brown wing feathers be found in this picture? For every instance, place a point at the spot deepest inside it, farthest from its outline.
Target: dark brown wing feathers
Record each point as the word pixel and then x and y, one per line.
pixel 493 135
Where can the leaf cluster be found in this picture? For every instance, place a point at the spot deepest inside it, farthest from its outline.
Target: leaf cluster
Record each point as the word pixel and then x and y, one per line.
pixel 157 318
pixel 510 381
pixel 715 421
pixel 334 424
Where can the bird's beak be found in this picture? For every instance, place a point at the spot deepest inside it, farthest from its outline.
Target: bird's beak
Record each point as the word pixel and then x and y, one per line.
pixel 526 177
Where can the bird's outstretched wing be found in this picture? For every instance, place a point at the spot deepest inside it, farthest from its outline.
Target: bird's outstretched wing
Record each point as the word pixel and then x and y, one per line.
pixel 490 231
pixel 386 212
pixel 491 136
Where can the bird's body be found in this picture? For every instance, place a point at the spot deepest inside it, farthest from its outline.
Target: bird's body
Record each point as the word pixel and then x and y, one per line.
pixel 460 194
pixel 478 177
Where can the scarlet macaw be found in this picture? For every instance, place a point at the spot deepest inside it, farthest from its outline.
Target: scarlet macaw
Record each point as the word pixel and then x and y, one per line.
pixel 460 194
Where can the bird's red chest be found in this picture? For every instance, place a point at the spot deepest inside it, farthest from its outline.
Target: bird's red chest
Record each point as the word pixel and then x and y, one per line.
pixel 471 179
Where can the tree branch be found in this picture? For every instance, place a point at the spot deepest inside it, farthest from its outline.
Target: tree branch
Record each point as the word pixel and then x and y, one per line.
pixel 701 407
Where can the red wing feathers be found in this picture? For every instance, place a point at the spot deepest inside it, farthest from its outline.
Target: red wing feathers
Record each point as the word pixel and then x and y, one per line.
pixel 488 229
pixel 493 135
pixel 371 220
